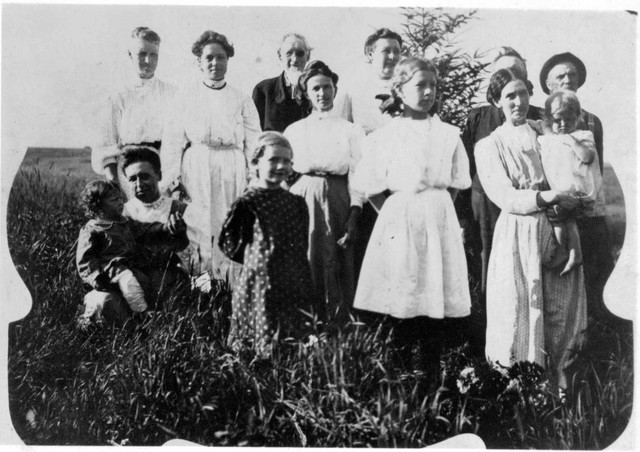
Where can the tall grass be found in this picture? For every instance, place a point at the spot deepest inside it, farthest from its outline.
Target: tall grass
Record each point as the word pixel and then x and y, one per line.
pixel 170 375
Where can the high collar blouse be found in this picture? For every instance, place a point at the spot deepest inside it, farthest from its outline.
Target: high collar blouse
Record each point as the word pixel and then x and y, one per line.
pixel 135 114
pixel 216 118
pixel 359 104
pixel 510 168
pixel 156 211
pixel 411 156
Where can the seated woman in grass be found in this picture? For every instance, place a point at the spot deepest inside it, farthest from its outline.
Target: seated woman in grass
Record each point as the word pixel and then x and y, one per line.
pixel 108 256
pixel 140 166
pixel 266 230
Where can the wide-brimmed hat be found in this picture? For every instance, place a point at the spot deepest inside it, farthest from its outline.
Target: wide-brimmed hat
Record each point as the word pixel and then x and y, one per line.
pixel 561 58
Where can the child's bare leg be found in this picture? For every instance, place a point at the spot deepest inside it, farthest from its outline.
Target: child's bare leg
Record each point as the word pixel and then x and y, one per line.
pixel 562 252
pixel 131 290
pixel 573 244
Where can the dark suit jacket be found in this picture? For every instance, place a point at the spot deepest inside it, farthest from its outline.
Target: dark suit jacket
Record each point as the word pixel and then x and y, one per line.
pixel 275 106
pixel 589 121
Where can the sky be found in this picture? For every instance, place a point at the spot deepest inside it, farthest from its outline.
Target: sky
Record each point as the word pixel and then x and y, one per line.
pixel 60 62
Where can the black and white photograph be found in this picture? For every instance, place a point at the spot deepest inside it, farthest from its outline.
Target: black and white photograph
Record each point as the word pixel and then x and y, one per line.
pixel 319 226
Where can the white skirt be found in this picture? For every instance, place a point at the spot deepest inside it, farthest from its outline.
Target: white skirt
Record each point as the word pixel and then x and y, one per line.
pixel 214 178
pixel 415 263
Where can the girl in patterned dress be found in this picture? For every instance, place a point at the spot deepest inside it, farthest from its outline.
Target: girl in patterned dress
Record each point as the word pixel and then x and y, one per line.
pixel 266 231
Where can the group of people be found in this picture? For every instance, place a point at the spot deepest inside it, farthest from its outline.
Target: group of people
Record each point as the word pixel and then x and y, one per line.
pixel 317 205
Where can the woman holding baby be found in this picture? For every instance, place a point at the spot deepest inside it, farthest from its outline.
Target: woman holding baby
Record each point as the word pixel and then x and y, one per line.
pixel 533 312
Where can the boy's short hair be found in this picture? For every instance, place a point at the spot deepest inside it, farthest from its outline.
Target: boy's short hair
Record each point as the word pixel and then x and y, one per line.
pixel 139 153
pixel 568 100
pixel 93 194
pixel 381 33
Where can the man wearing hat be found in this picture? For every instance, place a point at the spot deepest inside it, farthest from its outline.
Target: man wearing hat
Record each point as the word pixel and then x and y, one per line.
pixel 567 71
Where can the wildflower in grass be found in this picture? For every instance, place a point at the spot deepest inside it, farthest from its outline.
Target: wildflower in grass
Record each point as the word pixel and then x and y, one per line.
pixel 311 341
pixel 467 379
pixel 529 374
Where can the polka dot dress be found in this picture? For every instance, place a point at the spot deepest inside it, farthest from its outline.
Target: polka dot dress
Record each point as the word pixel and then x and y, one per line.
pixel 266 230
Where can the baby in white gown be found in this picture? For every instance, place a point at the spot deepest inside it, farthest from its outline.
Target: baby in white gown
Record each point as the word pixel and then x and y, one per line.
pixel 570 163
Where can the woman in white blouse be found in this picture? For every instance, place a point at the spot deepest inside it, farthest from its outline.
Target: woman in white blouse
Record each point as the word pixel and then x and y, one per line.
pixel 136 114
pixel 326 149
pixel 205 147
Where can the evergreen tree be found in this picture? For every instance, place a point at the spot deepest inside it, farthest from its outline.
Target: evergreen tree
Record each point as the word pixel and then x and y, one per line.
pixel 430 33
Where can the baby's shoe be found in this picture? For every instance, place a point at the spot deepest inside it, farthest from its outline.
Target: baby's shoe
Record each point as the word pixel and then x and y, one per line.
pixel 91 310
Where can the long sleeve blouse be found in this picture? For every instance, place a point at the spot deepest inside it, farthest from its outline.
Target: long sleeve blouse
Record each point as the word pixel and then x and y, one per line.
pixel 359 105
pixel 510 168
pixel 411 156
pixel 326 143
pixel 135 114
pixel 217 118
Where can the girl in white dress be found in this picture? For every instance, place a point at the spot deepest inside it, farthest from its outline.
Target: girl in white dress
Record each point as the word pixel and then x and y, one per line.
pixel 326 149
pixel 533 313
pixel 205 148
pixel 570 163
pixel 414 269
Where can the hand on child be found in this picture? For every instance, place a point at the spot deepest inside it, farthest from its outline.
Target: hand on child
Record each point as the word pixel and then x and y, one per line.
pixel 175 224
pixel 568 201
pixel 541 127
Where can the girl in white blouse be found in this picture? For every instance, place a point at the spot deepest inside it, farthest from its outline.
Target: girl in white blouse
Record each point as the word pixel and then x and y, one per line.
pixel 326 149
pixel 414 270
pixel 205 147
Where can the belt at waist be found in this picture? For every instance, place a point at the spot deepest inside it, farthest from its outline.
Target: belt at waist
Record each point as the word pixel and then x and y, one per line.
pixel 217 147
pixel 325 175
pixel 152 144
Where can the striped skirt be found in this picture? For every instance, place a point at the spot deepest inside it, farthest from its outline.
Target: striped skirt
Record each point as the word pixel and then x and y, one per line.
pixel 533 313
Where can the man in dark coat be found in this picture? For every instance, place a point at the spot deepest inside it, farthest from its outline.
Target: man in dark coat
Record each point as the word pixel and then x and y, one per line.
pixel 278 99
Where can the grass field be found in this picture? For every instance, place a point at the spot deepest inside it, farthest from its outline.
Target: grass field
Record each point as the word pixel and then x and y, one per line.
pixel 171 375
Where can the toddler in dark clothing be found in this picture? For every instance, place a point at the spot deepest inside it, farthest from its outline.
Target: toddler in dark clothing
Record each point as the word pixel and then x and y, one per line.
pixel 108 256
